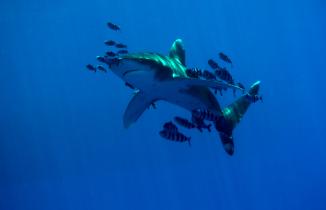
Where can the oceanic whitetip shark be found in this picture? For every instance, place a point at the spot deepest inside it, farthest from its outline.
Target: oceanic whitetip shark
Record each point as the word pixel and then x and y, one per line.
pixel 159 77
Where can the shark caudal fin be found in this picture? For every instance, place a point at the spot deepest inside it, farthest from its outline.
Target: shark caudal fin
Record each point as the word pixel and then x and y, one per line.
pixel 232 116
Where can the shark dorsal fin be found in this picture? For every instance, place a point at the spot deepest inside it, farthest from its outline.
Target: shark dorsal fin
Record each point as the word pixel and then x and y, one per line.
pixel 177 51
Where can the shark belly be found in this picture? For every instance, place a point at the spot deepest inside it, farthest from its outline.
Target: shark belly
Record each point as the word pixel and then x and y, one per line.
pixel 189 98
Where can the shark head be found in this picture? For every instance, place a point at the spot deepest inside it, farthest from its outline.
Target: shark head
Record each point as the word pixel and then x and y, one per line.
pixel 145 70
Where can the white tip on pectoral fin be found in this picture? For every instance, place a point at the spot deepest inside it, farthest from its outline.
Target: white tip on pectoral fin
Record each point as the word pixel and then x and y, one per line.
pixel 138 104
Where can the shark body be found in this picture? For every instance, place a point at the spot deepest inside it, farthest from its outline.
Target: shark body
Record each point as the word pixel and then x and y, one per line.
pixel 160 77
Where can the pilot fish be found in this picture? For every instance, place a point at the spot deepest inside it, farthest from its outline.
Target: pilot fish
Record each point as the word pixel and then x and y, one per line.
pixel 179 137
pixel 254 98
pixel 200 124
pixel 113 26
pixel 120 45
pixel 101 68
pixel 205 115
pixel 209 75
pixel 225 75
pixel 225 58
pixel 122 52
pixel 213 64
pixel 109 42
pixel 171 127
pixel 194 72
pixel 184 122
pixel 101 59
pixel 91 67
pixel 111 54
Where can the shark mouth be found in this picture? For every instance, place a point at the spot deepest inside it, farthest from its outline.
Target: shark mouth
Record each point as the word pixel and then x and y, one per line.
pixel 130 71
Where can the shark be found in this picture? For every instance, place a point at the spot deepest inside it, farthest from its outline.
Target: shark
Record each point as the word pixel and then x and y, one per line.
pixel 163 77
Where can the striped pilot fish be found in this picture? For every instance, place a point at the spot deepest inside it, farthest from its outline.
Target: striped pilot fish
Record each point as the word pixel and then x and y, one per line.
pixel 175 136
pixel 225 58
pixel 213 64
pixel 209 75
pixel 194 72
pixel 184 122
pixel 205 115
pixel 171 127
pixel 101 68
pixel 254 98
pixel 225 75
pixel 200 124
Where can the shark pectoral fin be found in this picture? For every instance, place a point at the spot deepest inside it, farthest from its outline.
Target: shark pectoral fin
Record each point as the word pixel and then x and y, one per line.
pixel 138 104
pixel 177 51
pixel 206 83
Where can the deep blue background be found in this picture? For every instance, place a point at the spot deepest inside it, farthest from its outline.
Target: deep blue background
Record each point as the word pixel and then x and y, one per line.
pixel 62 143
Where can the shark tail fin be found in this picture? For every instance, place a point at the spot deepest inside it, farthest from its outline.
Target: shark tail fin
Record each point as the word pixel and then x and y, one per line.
pixel 232 115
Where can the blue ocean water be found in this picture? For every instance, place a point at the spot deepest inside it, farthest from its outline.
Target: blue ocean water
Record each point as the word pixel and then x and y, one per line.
pixel 62 142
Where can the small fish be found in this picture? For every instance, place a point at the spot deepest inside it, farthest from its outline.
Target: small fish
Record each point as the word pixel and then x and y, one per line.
pixel 225 75
pixel 101 59
pixel 109 42
pixel 179 137
pixel 171 127
pixel 200 124
pixel 184 122
pixel 91 67
pixel 113 26
pixel 213 64
pixel 112 61
pixel 205 114
pixel 120 45
pixel 101 68
pixel 209 75
pixel 194 72
pixel 254 98
pixel 225 58
pixel 122 52
pixel 111 54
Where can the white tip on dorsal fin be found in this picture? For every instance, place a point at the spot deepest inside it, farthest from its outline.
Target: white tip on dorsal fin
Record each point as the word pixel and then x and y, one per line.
pixel 177 51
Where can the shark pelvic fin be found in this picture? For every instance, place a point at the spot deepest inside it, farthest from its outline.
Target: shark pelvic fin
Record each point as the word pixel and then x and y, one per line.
pixel 177 52
pixel 138 104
